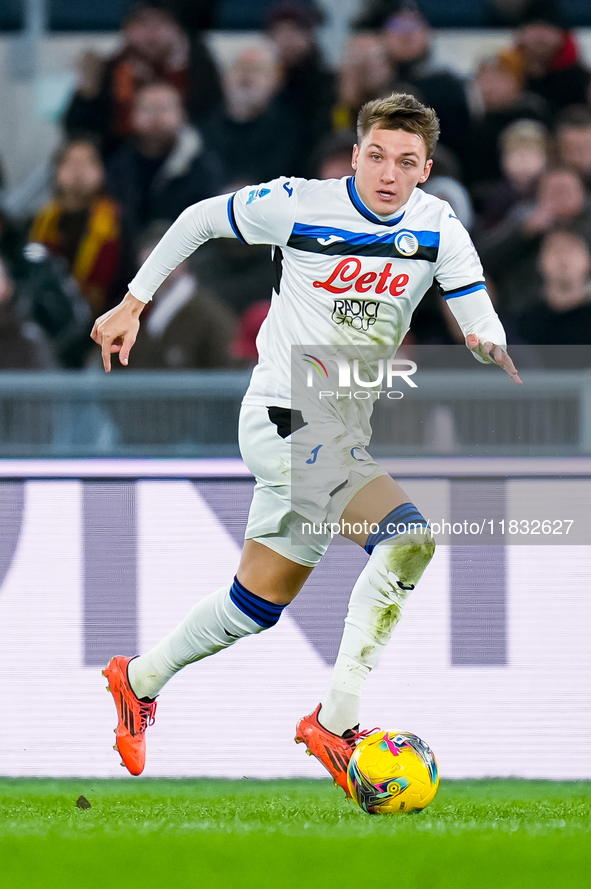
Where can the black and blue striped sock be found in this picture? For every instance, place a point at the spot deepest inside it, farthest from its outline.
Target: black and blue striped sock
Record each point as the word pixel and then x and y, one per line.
pixel 264 613
pixel 404 518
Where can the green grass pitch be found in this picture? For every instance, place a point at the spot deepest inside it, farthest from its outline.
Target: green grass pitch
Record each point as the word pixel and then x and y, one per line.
pixel 205 833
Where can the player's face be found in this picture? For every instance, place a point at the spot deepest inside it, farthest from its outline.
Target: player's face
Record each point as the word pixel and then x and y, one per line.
pixel 388 165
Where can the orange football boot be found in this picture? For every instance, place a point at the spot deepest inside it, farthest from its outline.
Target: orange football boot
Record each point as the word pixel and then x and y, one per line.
pixel 134 716
pixel 333 751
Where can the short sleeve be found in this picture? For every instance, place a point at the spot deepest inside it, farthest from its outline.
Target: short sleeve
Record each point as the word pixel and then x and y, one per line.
pixel 458 265
pixel 264 214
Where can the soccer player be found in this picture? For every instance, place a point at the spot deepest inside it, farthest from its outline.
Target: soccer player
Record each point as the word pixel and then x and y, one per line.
pixel 354 257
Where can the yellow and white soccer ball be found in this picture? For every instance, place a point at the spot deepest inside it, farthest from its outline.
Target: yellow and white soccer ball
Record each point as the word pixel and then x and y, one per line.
pixel 391 772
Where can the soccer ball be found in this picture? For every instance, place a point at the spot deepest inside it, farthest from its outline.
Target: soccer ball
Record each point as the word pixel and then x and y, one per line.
pixel 392 772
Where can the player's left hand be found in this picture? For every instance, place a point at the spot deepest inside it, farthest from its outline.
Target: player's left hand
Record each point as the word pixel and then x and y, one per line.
pixel 494 355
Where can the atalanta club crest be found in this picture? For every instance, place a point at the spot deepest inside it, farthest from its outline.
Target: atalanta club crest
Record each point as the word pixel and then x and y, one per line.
pixel 406 243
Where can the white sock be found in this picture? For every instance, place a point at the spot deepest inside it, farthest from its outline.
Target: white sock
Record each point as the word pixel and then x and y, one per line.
pixel 215 623
pixel 374 610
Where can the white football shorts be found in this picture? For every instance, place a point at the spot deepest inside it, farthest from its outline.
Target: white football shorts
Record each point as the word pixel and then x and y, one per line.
pixel 302 483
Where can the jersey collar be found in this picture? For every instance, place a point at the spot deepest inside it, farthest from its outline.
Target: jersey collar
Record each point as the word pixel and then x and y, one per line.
pixel 365 211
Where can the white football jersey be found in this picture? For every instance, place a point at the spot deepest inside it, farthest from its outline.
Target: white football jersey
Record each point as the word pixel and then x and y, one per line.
pixel 345 277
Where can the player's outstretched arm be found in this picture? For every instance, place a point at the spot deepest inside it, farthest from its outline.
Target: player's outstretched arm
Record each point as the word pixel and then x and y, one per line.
pixel 490 352
pixel 117 329
pixel 460 276
pixel 265 215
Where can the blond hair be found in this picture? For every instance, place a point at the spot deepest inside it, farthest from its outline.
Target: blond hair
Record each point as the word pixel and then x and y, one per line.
pixel 400 111
pixel 524 133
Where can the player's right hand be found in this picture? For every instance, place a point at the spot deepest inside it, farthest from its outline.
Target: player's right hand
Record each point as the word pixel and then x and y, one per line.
pixel 117 329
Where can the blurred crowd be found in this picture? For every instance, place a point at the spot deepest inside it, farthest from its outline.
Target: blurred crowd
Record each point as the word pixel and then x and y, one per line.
pixel 159 126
